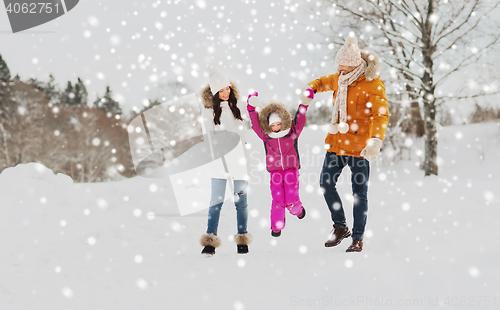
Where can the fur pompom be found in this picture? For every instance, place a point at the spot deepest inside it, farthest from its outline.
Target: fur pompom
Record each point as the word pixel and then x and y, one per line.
pixel 351 40
pixel 343 128
pixel 243 239
pixel 333 129
pixel 210 239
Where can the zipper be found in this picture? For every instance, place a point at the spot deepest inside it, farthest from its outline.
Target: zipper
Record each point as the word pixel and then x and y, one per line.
pixel 281 154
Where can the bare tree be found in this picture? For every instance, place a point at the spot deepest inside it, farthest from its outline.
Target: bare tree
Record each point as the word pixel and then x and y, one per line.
pixel 484 114
pixel 22 124
pixel 97 145
pixel 424 42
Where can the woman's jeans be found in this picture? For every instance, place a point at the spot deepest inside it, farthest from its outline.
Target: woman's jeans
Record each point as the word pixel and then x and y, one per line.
pixel 360 169
pixel 240 200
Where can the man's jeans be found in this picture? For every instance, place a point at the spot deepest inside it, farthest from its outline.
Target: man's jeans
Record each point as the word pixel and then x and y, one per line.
pixel 360 169
pixel 240 200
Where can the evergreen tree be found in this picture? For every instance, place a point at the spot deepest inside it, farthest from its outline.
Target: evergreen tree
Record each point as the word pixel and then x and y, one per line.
pixel 68 95
pixel 35 82
pixel 5 87
pixel 107 103
pixel 81 94
pixel 4 70
pixel 50 89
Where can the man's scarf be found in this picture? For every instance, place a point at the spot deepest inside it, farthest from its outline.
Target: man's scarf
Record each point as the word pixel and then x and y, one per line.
pixel 340 105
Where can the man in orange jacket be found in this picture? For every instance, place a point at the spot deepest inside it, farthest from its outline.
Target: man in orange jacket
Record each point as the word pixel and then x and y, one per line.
pixel 359 120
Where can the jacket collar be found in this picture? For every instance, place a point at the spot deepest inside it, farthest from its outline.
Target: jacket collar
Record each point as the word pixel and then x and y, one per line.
pixel 360 79
pixel 280 134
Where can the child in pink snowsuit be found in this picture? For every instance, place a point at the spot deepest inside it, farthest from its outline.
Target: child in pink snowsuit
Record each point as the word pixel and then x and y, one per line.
pixel 279 132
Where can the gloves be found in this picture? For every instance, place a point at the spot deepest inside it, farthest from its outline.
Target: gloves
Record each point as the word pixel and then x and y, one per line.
pixel 306 95
pixel 372 150
pixel 253 101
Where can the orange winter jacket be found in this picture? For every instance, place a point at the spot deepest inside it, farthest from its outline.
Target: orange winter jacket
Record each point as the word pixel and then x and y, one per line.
pixel 367 112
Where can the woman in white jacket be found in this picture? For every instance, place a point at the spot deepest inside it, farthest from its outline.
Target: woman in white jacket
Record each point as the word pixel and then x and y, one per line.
pixel 221 96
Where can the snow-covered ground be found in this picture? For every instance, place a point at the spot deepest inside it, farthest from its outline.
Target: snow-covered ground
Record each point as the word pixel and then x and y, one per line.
pixel 430 241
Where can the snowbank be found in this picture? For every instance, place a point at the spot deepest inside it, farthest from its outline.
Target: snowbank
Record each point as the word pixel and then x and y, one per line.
pixel 121 245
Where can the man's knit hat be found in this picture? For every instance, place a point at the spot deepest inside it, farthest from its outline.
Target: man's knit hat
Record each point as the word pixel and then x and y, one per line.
pixel 273 118
pixel 217 81
pixel 349 54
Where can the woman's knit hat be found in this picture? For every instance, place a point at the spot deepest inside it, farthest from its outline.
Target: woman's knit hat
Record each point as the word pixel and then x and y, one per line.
pixel 349 54
pixel 217 81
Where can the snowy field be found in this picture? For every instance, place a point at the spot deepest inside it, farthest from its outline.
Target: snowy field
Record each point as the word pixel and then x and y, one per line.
pixel 430 241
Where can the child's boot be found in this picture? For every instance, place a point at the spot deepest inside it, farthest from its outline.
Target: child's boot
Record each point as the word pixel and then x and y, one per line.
pixel 303 214
pixel 275 233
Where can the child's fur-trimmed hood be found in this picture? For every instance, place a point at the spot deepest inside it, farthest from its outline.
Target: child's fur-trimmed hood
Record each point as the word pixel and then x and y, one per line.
pixel 286 119
pixel 207 97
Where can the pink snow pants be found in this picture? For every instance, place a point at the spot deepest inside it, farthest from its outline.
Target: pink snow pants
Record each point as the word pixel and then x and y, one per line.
pixel 285 193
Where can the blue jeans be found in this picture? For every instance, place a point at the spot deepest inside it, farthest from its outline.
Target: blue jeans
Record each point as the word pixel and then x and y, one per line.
pixel 360 169
pixel 240 200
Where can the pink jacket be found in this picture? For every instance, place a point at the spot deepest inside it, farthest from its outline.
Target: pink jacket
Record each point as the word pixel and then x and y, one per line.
pixel 282 152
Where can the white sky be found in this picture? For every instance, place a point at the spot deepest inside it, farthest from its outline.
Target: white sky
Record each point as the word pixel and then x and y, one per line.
pixel 134 46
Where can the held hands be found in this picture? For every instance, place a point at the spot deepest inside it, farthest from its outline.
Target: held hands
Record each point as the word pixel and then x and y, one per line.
pixel 372 150
pixel 253 99
pixel 306 95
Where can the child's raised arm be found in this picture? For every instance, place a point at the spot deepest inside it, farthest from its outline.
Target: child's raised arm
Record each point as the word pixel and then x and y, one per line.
pixel 252 103
pixel 300 117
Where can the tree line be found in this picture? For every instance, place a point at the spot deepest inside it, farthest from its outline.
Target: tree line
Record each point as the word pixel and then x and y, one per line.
pixel 57 128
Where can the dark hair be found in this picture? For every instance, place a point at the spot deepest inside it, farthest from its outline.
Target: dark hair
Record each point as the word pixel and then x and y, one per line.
pixel 232 105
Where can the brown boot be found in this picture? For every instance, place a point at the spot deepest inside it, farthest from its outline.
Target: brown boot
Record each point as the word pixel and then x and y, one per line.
pixel 356 246
pixel 337 235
